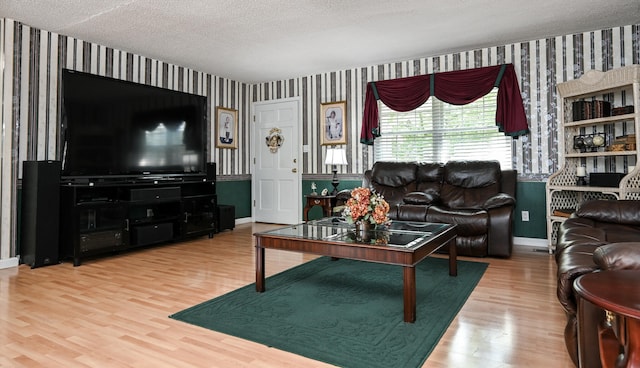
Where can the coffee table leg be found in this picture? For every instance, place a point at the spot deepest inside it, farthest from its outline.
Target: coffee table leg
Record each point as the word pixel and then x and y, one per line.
pixel 632 346
pixel 259 268
pixel 453 258
pixel 409 294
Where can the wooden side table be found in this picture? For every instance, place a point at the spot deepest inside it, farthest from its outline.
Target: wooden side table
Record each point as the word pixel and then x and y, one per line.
pixel 326 202
pixel 618 293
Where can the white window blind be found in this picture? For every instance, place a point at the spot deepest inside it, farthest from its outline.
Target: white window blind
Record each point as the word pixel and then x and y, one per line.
pixel 440 132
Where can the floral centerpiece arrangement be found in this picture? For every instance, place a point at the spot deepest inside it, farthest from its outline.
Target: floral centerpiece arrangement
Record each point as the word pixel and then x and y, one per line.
pixel 366 206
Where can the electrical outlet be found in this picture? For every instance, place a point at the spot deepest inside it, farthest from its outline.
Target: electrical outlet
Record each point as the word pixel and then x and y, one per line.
pixel 525 215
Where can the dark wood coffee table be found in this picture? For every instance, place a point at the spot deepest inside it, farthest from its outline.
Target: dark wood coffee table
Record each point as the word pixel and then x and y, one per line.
pixel 402 243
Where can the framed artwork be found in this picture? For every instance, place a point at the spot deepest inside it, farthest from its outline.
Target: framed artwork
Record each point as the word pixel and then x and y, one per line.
pixel 226 128
pixel 333 123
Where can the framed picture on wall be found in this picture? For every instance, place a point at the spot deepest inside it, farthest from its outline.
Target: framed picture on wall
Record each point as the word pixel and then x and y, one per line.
pixel 333 123
pixel 226 128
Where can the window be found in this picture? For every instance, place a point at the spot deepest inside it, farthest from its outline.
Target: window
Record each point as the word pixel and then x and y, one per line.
pixel 440 132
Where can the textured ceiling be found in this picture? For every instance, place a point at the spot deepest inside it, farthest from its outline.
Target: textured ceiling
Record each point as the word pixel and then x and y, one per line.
pixel 256 41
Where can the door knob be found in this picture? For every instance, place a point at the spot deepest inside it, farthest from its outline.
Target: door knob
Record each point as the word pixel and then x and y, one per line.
pixel 294 170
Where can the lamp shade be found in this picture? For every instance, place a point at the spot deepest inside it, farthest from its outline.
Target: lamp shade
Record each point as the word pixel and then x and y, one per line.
pixel 336 156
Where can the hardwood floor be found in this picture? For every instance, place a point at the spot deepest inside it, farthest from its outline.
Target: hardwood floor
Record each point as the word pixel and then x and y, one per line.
pixel 112 311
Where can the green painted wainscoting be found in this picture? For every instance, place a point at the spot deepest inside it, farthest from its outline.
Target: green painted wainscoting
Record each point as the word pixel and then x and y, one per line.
pixel 530 197
pixel 235 193
pixel 238 193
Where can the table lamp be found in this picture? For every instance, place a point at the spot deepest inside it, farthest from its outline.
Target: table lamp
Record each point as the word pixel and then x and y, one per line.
pixel 335 157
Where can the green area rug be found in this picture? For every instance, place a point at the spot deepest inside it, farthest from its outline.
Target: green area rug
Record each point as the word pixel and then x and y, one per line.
pixel 346 313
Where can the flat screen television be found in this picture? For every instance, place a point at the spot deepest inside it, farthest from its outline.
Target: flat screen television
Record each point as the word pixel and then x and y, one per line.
pixel 114 128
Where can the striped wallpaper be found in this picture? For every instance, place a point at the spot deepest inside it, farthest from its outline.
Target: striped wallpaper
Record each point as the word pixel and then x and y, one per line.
pixel 31 60
pixel 540 64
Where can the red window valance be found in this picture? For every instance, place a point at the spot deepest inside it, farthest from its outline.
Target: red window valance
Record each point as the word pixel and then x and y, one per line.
pixel 456 87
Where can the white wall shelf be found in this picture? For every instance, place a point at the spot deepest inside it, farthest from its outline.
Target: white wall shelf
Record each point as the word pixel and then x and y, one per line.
pixel 620 87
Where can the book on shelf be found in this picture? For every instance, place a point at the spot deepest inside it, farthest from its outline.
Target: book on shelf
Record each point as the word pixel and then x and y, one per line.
pixel 563 212
pixel 590 109
pixel 622 110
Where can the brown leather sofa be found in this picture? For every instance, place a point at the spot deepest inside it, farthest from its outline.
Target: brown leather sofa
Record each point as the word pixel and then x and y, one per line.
pixel 476 195
pixel 601 235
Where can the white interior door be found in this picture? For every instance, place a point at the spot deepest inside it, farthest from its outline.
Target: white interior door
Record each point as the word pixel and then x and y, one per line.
pixel 276 182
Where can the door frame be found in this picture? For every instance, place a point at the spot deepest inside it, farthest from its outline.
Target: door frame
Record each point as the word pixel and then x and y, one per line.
pixel 254 149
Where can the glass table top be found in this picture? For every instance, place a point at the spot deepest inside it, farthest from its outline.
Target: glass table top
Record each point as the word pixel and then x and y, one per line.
pixel 336 229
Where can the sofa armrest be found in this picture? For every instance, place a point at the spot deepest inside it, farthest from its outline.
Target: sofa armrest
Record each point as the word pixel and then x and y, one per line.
pixel 499 200
pixel 500 232
pixel 421 198
pixel 618 256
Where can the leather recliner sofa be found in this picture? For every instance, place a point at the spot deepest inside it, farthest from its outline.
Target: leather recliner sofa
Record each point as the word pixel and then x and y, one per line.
pixel 601 235
pixel 477 196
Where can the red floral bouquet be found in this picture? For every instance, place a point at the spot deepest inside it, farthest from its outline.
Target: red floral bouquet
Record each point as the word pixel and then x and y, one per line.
pixel 367 206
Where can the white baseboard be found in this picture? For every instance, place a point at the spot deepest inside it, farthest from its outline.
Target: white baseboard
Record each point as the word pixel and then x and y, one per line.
pixel 543 244
pixel 9 262
pixel 244 220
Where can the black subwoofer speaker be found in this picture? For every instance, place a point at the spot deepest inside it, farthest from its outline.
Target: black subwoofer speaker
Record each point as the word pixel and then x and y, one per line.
pixel 226 219
pixel 40 213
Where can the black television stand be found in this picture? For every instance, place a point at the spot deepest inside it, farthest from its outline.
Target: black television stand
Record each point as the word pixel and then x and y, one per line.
pixel 101 217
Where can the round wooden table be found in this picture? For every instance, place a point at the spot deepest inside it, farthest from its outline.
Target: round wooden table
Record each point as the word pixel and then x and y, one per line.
pixel 617 292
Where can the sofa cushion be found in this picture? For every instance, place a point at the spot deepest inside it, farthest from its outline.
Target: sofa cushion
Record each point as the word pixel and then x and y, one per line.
pixel 617 233
pixel 472 174
pixel 393 174
pixel 429 177
pixel 618 256
pixel 393 180
pixel 621 212
pixel 468 184
pixel 579 231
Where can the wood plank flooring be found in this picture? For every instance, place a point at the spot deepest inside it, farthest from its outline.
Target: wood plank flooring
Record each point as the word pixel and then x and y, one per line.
pixel 112 311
